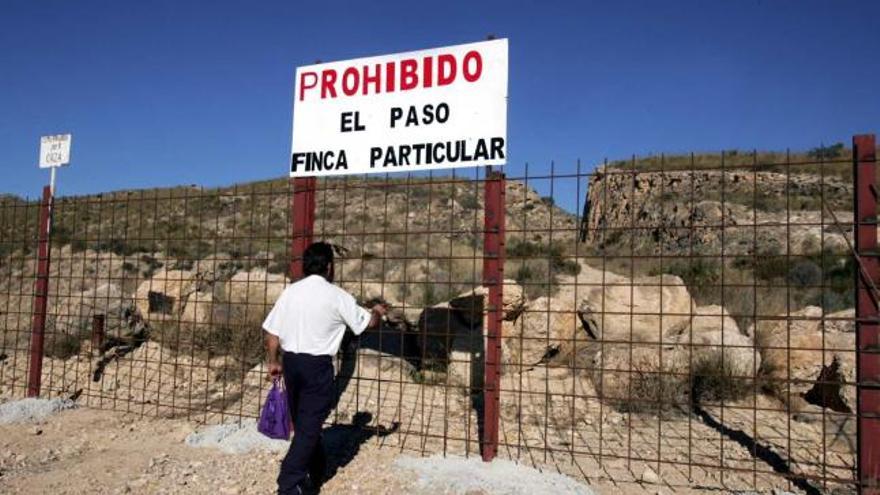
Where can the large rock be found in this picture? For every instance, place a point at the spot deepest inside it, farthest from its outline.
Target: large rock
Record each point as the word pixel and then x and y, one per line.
pixel 459 325
pixel 642 309
pixel 471 303
pixel 371 290
pixel 199 308
pixel 640 376
pixel 704 353
pixel 548 330
pixel 808 362
pixel 74 313
pixel 164 295
pixel 712 338
pixel 375 365
pixel 254 292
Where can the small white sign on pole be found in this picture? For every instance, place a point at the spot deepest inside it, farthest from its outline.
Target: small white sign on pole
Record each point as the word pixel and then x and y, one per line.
pixel 430 109
pixel 55 150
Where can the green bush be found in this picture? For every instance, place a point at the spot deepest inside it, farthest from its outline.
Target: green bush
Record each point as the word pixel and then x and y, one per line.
pixel 827 152
pixel 698 272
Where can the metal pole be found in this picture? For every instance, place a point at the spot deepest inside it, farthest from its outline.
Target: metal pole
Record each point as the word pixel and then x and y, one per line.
pixel 303 213
pixel 41 296
pixel 493 278
pixel 52 180
pixel 867 325
pixel 97 333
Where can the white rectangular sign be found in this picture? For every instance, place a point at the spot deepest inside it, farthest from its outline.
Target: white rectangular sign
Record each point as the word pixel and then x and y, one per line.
pixel 54 150
pixel 429 109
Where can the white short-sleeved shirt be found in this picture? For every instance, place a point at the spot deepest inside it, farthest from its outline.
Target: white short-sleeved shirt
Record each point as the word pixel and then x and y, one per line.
pixel 311 316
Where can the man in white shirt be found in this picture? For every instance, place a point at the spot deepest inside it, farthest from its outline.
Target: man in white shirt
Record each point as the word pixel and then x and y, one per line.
pixel 306 326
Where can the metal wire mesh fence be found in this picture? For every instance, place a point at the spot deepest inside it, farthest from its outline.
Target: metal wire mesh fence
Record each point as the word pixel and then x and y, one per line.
pixel 687 321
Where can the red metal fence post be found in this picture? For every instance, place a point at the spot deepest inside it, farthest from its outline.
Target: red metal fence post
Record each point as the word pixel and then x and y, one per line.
pixel 41 296
pixel 867 324
pixel 303 213
pixel 493 278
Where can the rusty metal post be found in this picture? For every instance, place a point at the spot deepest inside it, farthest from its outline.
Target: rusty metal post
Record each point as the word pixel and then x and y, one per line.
pixel 97 332
pixel 303 213
pixel 493 278
pixel 867 323
pixel 41 296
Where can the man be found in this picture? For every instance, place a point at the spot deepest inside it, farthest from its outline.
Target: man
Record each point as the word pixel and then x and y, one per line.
pixel 308 323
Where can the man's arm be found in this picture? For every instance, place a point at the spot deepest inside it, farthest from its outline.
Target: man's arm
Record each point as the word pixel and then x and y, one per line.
pixel 273 346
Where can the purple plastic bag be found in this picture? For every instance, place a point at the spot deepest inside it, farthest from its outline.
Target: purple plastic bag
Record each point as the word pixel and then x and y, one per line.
pixel 275 417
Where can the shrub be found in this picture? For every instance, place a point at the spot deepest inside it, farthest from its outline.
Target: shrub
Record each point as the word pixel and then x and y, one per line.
pixel 805 273
pixel 712 380
pixel 62 346
pixel 827 152
pixel 699 272
pixel 469 201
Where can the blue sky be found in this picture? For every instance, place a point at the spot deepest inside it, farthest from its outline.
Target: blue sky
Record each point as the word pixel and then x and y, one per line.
pixel 179 92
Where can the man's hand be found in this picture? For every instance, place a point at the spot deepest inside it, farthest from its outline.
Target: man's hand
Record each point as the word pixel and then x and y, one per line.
pixel 274 371
pixel 381 309
pixel 273 346
pixel 378 311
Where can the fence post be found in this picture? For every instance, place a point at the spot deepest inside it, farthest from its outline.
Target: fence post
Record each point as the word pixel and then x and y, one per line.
pixel 97 333
pixel 41 296
pixel 493 278
pixel 303 213
pixel 867 323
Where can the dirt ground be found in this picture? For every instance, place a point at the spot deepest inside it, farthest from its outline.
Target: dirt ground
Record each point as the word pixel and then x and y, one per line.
pixel 91 451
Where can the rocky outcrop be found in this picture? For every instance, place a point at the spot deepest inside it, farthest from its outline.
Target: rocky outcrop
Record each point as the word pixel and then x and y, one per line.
pixel 680 211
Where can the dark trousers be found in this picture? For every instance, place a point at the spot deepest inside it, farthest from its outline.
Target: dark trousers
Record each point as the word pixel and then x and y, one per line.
pixel 310 396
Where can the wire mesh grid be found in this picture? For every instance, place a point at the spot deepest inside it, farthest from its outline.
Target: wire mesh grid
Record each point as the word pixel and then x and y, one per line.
pixel 679 320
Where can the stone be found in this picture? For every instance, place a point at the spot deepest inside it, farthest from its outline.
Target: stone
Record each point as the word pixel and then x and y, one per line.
pixel 164 295
pixel 254 293
pixel 809 363
pixel 546 331
pixel 642 309
pixel 706 351
pixel 712 338
pixel 198 309
pixel 75 312
pixel 375 365
pixel 472 303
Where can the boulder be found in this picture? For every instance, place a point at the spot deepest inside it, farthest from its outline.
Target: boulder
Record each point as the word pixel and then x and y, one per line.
pixel 711 338
pixel 254 292
pixel 74 313
pixel 471 303
pixel 705 353
pixel 199 308
pixel 375 365
pixel 164 295
pixel 547 331
pixel 371 290
pixel 640 310
pixel 640 377
pixel 808 364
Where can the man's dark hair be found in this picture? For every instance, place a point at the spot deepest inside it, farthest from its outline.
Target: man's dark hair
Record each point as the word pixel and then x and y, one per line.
pixel 317 259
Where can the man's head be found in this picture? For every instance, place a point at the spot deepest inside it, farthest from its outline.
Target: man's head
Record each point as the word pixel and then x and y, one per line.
pixel 318 260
